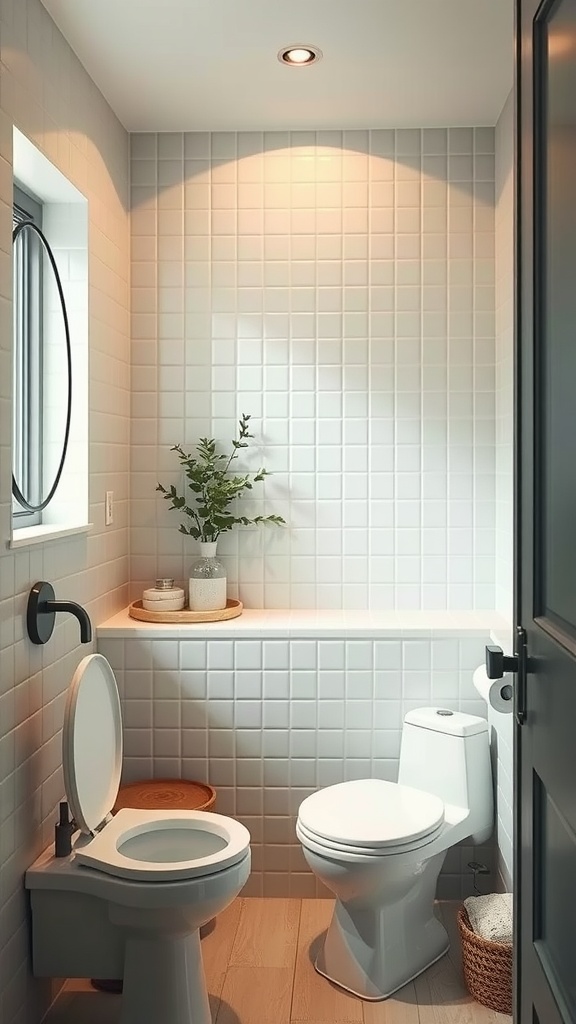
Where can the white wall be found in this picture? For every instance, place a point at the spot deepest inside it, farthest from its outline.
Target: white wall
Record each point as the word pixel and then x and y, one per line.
pixel 502 742
pixel 504 248
pixel 338 286
pixel 504 221
pixel 48 95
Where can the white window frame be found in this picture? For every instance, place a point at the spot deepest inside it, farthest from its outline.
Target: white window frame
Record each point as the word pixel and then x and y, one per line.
pixel 65 216
pixel 28 360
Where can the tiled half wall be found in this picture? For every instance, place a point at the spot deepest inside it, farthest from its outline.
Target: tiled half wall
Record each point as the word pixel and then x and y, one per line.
pixel 267 722
pixel 339 287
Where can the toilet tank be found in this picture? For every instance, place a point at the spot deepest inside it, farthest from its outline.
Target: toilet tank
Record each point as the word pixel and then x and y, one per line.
pixel 448 753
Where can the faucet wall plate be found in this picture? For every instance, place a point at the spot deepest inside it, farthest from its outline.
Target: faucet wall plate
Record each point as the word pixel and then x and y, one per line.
pixel 39 620
pixel 41 613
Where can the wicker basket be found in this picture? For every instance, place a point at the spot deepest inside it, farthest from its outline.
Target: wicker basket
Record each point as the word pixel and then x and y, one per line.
pixel 487 967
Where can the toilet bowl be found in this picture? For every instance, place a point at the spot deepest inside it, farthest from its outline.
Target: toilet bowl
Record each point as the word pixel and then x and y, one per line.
pixel 379 847
pixel 132 895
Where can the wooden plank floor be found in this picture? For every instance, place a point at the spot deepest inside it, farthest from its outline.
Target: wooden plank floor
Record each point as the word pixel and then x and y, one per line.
pixel 258 958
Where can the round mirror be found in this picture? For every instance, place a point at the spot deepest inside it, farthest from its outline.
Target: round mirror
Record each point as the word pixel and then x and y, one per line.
pixel 42 370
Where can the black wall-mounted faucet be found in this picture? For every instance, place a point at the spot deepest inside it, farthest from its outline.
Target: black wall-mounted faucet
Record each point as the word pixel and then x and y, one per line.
pixel 41 613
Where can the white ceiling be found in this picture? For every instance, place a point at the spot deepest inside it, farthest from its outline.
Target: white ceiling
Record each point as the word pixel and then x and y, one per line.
pixel 177 65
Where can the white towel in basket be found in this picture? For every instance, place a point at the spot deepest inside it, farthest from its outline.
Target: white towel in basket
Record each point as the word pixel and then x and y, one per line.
pixel 491 916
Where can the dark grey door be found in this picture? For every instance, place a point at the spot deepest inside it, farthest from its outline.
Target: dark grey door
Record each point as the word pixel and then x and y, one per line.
pixel 546 512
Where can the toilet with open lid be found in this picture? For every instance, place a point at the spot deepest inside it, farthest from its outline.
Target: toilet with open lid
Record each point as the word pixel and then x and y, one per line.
pixel 138 844
pixel 130 898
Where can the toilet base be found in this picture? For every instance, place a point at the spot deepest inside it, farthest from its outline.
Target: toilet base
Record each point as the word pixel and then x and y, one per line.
pixel 372 947
pixel 164 981
pixel 115 986
pixel 386 995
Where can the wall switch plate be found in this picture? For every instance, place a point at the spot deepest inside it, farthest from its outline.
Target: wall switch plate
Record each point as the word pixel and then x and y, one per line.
pixel 109 508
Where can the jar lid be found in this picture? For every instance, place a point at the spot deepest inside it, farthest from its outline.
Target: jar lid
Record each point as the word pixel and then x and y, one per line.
pixel 163 596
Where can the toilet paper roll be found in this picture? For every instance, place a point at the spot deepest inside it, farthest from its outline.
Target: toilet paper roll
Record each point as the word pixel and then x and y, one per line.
pixel 498 693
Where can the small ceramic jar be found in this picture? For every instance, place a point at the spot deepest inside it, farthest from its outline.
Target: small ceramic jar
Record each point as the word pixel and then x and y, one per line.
pixel 164 597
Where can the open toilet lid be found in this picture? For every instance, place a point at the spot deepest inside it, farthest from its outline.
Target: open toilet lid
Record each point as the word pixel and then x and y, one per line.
pixel 92 742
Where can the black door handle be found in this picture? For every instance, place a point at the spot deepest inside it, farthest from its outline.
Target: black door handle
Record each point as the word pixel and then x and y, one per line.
pixel 498 663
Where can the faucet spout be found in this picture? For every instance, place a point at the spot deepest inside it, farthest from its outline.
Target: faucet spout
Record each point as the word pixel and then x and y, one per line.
pixel 77 610
pixel 41 613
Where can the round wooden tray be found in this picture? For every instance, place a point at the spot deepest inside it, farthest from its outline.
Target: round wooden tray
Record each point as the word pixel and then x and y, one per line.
pixel 231 611
pixel 166 795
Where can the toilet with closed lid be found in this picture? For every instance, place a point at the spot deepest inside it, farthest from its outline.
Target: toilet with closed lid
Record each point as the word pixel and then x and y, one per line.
pixel 131 897
pixel 379 847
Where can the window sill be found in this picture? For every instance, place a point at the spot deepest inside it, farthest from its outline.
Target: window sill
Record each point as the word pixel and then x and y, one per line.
pixel 29 535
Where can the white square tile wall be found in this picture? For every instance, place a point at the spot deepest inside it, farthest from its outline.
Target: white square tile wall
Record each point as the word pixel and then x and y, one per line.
pixel 46 93
pixel 339 287
pixel 504 224
pixel 268 722
pixel 503 737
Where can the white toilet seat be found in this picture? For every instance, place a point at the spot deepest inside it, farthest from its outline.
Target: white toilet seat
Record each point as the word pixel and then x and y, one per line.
pixel 371 816
pixel 150 845
pixel 343 851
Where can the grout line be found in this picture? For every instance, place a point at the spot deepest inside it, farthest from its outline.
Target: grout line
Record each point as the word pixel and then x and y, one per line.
pixel 296 952
pixel 242 902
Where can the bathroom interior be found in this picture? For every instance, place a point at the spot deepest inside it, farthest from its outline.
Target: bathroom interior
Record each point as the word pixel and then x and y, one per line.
pixel 329 250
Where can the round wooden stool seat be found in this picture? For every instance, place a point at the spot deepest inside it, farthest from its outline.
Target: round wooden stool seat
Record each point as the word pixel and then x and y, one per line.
pixel 159 795
pixel 166 795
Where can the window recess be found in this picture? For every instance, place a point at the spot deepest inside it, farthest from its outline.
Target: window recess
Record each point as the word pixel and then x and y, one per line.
pixel 50 345
pixel 28 359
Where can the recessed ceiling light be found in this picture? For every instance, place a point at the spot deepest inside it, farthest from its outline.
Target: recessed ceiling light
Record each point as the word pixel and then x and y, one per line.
pixel 299 56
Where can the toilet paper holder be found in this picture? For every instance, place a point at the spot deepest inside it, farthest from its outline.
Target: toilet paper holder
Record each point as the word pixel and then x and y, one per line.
pixel 498 663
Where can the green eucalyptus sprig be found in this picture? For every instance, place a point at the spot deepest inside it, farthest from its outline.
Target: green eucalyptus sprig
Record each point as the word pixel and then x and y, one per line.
pixel 213 489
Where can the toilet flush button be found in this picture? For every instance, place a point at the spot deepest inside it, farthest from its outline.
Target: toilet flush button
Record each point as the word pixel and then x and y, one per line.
pixel 444 713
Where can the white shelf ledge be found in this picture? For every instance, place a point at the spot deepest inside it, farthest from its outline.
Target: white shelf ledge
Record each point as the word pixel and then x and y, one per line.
pixel 257 623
